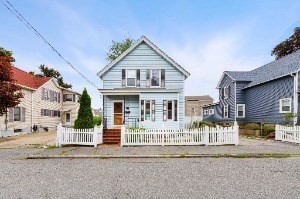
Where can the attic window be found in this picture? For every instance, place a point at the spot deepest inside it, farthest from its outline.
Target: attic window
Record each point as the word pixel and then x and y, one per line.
pixel 155 78
pixel 226 92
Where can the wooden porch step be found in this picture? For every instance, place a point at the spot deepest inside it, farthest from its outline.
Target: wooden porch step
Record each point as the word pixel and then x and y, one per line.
pixel 112 136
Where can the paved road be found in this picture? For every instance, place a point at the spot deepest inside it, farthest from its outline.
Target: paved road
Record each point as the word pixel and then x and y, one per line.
pixel 147 178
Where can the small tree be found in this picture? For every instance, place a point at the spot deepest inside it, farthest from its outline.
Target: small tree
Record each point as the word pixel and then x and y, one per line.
pixel 85 115
pixel 97 120
pixel 289 118
pixel 10 93
pixel 117 48
pixel 288 46
pixel 50 72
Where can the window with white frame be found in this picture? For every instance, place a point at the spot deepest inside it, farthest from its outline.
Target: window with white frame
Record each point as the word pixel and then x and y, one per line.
pixel 46 112
pixel 225 111
pixel 211 111
pixel 17 114
pixel 147 110
pixel 130 78
pixel 285 105
pixel 170 110
pixel 55 97
pixel 205 112
pixel 226 92
pixel 46 94
pixel 155 78
pixel 240 110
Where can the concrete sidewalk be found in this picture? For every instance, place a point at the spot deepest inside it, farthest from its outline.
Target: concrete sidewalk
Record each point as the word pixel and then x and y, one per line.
pixel 247 147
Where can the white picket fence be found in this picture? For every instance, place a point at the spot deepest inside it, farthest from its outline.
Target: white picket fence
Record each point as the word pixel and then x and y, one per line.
pixel 287 134
pixel 162 137
pixel 92 136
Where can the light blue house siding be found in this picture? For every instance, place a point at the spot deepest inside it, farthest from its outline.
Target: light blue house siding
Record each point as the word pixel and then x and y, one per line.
pixel 262 101
pixel 143 57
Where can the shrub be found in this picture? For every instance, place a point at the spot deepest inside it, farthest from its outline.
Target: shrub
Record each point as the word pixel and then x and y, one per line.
pixel 268 128
pixel 250 126
pixel 85 116
pixel 97 120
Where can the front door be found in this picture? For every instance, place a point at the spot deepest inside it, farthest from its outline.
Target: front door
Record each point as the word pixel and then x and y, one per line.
pixel 118 113
pixel 68 119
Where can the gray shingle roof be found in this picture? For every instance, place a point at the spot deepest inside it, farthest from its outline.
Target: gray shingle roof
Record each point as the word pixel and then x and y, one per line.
pixel 241 75
pixel 203 97
pixel 276 69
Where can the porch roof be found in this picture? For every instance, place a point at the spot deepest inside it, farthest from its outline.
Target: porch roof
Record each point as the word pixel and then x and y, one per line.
pixel 136 91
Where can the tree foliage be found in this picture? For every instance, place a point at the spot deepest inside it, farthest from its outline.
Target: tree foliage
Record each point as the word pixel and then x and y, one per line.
pixel 10 93
pixel 97 120
pixel 288 46
pixel 85 115
pixel 50 72
pixel 117 48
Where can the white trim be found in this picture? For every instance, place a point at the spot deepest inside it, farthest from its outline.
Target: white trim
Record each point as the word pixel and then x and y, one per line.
pixel 280 105
pixel 154 47
pixel 137 91
pixel 113 112
pixel 237 110
pixel 235 105
pixel 296 97
pixel 223 74
pixel 68 124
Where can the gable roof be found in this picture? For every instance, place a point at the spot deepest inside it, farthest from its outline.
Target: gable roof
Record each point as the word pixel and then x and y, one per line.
pixel 271 71
pixel 203 97
pixel 153 46
pixel 25 79
pixel 276 69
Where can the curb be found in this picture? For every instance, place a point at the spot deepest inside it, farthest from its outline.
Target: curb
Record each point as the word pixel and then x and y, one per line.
pixel 244 155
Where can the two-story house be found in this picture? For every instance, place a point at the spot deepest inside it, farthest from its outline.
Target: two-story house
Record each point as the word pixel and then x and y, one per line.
pixel 143 88
pixel 44 103
pixel 263 95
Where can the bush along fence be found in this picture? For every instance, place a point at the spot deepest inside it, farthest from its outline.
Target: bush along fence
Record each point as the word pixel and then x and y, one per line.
pixel 161 137
pixel 288 134
pixel 92 136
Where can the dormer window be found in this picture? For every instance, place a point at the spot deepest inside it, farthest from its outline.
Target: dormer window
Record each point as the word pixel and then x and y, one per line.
pixel 155 78
pixel 130 78
pixel 226 92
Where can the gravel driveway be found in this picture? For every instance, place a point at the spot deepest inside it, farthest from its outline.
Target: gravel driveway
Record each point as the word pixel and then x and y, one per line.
pixel 31 140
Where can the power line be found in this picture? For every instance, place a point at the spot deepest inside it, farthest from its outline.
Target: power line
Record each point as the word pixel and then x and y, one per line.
pixel 14 11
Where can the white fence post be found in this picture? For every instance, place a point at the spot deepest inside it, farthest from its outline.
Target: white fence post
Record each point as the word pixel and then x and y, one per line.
pixel 206 135
pixel 276 132
pixel 123 130
pixel 101 134
pixel 236 133
pixel 95 136
pixel 58 135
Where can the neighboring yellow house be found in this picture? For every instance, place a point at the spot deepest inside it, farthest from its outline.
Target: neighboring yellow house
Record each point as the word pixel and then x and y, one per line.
pixel 45 104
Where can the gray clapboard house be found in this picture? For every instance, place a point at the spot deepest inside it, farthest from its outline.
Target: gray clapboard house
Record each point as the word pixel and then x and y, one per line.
pixel 143 88
pixel 264 94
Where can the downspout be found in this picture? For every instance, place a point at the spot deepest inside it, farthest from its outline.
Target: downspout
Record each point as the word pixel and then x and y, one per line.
pixel 295 96
pixel 235 102
pixel 31 112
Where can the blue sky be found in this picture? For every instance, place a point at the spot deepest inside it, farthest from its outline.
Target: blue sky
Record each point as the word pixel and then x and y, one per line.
pixel 205 37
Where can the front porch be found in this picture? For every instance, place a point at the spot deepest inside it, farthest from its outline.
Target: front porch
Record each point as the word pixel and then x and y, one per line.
pixel 121 110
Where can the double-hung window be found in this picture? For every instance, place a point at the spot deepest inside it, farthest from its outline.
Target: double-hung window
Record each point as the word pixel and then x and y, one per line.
pixel 225 111
pixel 226 92
pixel 68 97
pixel 147 110
pixel 46 94
pixel 285 105
pixel 155 78
pixel 205 112
pixel 55 97
pixel 131 78
pixel 170 110
pixel 211 111
pixel 240 110
pixel 17 114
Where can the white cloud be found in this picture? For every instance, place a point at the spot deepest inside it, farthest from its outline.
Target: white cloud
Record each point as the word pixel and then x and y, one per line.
pixel 207 61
